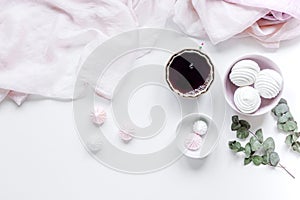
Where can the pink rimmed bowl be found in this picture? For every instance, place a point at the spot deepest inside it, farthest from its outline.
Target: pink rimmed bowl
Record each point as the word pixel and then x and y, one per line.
pixel 266 104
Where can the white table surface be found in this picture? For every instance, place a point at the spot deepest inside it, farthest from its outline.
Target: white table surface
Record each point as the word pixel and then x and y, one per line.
pixel 42 156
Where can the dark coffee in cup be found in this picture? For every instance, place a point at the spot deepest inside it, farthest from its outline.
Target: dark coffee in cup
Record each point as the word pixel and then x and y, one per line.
pixel 189 73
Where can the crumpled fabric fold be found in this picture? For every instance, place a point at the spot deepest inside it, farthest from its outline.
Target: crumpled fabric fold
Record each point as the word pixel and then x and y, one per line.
pixel 280 23
pixel 270 22
pixel 17 97
pixel 45 42
pixel 219 19
pixel 291 7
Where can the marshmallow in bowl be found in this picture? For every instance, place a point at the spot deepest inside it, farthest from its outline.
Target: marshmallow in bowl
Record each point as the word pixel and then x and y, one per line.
pixel 244 73
pixel 247 99
pixel 200 127
pixel 193 142
pixel 268 83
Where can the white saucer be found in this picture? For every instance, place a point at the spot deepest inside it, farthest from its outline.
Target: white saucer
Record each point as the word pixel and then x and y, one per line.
pixel 210 139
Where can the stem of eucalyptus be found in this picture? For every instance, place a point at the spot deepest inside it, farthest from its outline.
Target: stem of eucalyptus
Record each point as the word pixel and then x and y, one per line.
pixel 286 171
pixel 280 165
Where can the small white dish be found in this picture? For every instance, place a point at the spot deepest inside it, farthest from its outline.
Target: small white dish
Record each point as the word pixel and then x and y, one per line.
pixel 210 139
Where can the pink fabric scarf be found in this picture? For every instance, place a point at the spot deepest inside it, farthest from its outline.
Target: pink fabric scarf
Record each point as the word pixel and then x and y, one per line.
pixel 268 21
pixel 44 42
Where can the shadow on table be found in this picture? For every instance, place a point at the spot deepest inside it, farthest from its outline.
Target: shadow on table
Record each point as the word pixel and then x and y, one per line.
pixel 194 164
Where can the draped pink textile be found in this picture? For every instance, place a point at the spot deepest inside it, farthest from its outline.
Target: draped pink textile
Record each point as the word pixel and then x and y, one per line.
pixel 44 42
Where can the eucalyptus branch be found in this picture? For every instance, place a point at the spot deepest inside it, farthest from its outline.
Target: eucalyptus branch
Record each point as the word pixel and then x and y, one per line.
pixel 287 124
pixel 279 164
pixel 255 145
pixel 286 171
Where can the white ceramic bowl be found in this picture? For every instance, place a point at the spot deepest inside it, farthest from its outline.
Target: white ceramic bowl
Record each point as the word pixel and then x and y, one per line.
pixel 266 104
pixel 210 139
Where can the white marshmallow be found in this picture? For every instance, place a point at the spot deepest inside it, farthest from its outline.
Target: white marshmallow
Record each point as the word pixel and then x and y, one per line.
pixel 200 127
pixel 244 73
pixel 193 142
pixel 268 83
pixel 247 99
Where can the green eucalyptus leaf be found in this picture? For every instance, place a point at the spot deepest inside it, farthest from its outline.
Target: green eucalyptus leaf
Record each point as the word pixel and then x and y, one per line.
pixel 274 159
pixel 242 133
pixel 235 119
pixel 290 126
pixel 245 124
pixel 235 126
pixel 296 146
pixel 248 150
pixel 235 146
pixel 281 109
pixel 255 144
pixel 289 115
pixel 266 159
pixel 247 160
pixel 267 152
pixel 282 101
pixel 259 135
pixel 269 144
pixel 283 119
pixel 280 126
pixel 257 160
pixel 295 136
pixel 289 140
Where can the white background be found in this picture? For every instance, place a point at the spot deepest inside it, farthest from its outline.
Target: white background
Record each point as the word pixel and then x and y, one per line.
pixel 41 156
